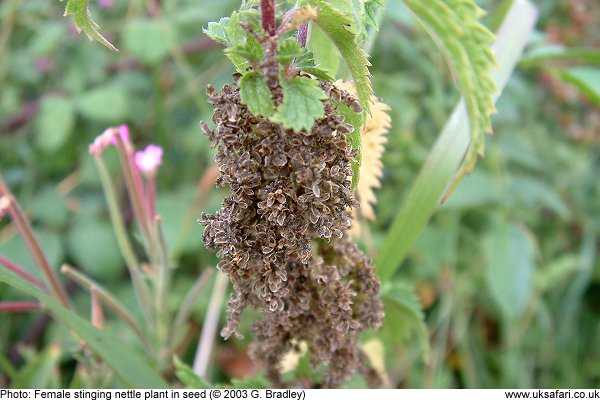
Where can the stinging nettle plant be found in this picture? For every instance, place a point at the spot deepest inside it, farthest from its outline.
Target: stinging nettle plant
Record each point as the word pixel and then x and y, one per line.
pixel 289 137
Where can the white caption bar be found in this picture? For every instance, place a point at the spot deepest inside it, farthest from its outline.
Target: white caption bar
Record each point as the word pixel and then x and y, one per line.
pixel 296 394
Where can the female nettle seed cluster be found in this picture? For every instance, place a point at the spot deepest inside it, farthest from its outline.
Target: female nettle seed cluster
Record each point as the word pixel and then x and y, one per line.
pixel 281 235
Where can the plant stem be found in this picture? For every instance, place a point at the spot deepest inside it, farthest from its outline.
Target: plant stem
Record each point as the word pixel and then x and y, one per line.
pixel 303 34
pixel 209 329
pixel 187 304
pixel 24 227
pixel 97 316
pixel 140 287
pixel 108 299
pixel 16 306
pixel 22 272
pixel 163 282
pixel 268 16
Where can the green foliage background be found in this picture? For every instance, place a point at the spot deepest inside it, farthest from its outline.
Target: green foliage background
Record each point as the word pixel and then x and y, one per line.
pixel 506 274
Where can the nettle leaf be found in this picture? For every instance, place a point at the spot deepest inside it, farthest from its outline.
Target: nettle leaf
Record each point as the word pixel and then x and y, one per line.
pixel 335 25
pixel 288 50
pixel 354 138
pixel 302 104
pixel 371 7
pixel 306 62
pixel 241 45
pixel 404 321
pixel 455 26
pixel 83 21
pixel 256 94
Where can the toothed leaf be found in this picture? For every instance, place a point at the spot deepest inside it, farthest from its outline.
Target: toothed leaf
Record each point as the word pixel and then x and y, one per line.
pixel 302 104
pixel 83 21
pixel 256 94
pixel 335 25
pixel 288 50
pixel 465 42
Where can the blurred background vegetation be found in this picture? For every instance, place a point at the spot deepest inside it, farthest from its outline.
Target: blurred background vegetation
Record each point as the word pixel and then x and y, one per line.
pixel 533 202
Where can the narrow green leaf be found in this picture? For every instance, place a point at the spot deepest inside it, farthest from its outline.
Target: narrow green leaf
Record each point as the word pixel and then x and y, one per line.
pixel 465 43
pixel 586 79
pixel 404 321
pixel 39 372
pixel 510 253
pixel 448 151
pixel 354 138
pixel 335 25
pixel 302 104
pixel 130 367
pixel 187 376
pixel 256 94
pixel 83 21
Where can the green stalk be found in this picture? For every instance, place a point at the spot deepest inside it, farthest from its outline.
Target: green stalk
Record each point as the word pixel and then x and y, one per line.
pixel 109 300
pixel 24 227
pixel 163 282
pixel 141 289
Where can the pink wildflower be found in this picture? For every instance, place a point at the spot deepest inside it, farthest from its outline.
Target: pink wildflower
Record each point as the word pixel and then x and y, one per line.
pixel 149 159
pixel 123 132
pixel 103 141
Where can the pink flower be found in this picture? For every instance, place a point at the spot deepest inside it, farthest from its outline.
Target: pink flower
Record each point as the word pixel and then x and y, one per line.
pixel 4 204
pixel 123 131
pixel 103 141
pixel 149 159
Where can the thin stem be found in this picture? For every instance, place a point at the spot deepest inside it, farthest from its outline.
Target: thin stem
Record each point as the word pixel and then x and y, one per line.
pixel 163 282
pixel 268 16
pixel 188 302
pixel 97 316
pixel 24 227
pixel 110 301
pixel 131 261
pixel 151 196
pixel 209 329
pixel 19 306
pixel 17 269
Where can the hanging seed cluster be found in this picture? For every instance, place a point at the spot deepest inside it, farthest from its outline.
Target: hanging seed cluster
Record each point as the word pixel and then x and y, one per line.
pixel 281 235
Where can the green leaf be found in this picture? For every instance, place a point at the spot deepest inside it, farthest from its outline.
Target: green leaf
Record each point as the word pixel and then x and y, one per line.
pixel 288 50
pixel 93 247
pixel 455 26
pixel 586 79
pixel 131 367
pixel 354 138
pixel 302 104
pixel 54 123
pixel 335 25
pixel 39 372
pixel 187 376
pixel 256 94
pixel 324 55
pixel 217 31
pixel 510 266
pixel 107 104
pixel 404 321
pixel 147 40
pixel 306 62
pixel 371 7
pixel 448 152
pixel 83 21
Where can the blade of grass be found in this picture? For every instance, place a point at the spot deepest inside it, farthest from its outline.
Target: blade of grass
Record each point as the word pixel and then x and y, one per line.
pixel 448 152
pixel 130 367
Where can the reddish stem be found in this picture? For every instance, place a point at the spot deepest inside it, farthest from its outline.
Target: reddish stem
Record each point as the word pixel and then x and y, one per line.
pixel 16 306
pixel 268 16
pixel 21 272
pixel 303 34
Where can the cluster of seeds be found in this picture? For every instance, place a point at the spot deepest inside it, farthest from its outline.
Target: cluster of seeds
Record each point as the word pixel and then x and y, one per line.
pixel 281 235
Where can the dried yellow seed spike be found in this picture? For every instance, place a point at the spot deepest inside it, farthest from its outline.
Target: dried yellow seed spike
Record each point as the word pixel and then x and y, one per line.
pixel 374 138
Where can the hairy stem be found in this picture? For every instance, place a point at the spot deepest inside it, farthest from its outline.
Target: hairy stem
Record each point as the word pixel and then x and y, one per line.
pixel 303 34
pixel 268 16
